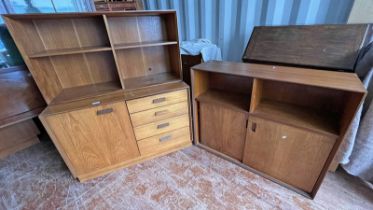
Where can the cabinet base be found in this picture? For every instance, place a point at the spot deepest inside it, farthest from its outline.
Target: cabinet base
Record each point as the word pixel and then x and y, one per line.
pixel 140 159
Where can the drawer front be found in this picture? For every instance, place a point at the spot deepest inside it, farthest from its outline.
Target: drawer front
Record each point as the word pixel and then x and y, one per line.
pixel 164 142
pixel 160 113
pixel 162 126
pixel 155 101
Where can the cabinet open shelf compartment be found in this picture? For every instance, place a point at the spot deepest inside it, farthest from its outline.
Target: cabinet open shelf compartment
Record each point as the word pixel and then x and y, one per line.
pixel 308 107
pixel 86 91
pixel 224 90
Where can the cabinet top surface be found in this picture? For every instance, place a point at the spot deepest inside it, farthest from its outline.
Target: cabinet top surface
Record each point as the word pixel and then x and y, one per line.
pixel 89 14
pixel 312 77
pixel 121 95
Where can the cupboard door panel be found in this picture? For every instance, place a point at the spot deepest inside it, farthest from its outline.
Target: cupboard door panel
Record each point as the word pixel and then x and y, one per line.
pixel 95 138
pixel 289 154
pixel 223 129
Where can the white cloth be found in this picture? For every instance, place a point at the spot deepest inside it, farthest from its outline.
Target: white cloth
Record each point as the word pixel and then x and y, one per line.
pixel 208 50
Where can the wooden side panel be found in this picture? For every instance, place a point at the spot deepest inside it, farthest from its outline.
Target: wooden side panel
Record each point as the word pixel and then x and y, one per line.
pixel 46 78
pixel 93 141
pixel 26 44
pixel 291 155
pixel 17 137
pixel 18 93
pixel 222 129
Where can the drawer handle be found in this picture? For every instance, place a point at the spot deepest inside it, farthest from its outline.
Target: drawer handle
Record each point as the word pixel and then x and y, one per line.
pixel 161 112
pixel 159 100
pixel 165 138
pixel 104 111
pixel 96 103
pixel 284 137
pixel 163 125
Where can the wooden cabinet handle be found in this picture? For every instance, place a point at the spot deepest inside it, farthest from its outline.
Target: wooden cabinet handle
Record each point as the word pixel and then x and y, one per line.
pixel 253 127
pixel 165 138
pixel 163 125
pixel 104 111
pixel 159 100
pixel 160 112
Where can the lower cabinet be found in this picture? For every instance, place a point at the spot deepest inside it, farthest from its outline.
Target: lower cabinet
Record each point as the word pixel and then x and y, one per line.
pixel 291 155
pixel 222 129
pixel 94 138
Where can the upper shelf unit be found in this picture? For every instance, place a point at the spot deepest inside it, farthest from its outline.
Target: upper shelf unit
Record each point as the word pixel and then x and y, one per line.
pixel 78 55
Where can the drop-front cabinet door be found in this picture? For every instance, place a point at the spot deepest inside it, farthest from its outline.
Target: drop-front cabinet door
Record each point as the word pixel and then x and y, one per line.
pixel 291 155
pixel 222 129
pixel 96 137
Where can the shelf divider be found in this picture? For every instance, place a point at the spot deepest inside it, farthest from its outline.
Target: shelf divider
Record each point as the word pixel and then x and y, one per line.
pixel 143 44
pixel 69 51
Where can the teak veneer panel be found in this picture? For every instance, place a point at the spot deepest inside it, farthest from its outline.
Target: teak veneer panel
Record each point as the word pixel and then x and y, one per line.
pixel 291 155
pixel 303 76
pixel 222 128
pixel 90 141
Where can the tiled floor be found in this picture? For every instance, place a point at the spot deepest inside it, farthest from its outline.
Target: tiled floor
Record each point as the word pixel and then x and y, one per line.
pixel 190 179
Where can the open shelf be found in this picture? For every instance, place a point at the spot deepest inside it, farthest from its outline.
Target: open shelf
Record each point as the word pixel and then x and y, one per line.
pixel 143 44
pixel 86 91
pixel 144 81
pixel 232 100
pixel 299 116
pixel 69 51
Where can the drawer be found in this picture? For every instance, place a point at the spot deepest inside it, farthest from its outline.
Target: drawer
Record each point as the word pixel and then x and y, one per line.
pixel 155 101
pixel 162 126
pixel 164 142
pixel 160 113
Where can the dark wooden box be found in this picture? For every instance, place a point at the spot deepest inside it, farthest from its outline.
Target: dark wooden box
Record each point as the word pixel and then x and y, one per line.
pixel 331 47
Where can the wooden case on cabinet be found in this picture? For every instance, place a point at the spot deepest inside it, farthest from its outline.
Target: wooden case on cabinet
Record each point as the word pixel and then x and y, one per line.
pixel 297 118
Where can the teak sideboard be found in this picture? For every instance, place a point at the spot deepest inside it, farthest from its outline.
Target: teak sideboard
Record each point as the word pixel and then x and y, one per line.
pixel 112 82
pixel 284 123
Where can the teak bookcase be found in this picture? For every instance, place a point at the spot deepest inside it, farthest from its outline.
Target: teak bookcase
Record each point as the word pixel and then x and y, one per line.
pixel 285 123
pixel 112 82
pixel 79 55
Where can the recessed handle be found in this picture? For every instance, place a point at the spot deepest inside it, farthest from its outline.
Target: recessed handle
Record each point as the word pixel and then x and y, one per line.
pixel 163 125
pixel 161 112
pixel 104 111
pixel 253 127
pixel 159 100
pixel 165 138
